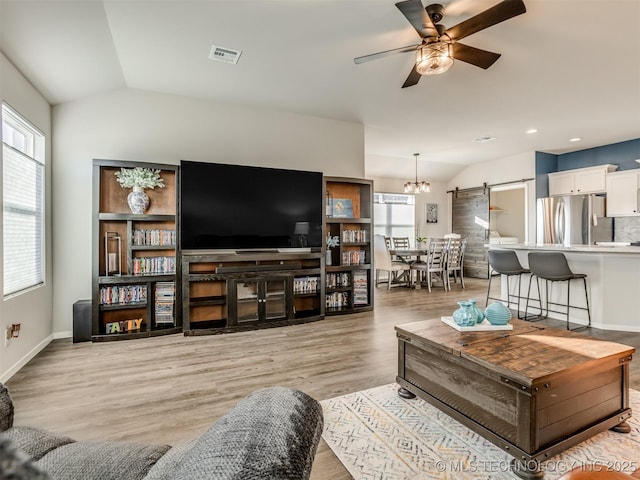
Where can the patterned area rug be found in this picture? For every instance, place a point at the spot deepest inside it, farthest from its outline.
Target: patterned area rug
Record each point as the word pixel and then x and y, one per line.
pixel 378 435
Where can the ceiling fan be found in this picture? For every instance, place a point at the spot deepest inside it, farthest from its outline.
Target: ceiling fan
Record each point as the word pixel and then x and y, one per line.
pixel 440 45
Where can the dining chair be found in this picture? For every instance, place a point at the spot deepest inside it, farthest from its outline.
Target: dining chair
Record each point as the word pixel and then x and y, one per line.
pixel 455 260
pixel 383 263
pixel 402 243
pixel 436 263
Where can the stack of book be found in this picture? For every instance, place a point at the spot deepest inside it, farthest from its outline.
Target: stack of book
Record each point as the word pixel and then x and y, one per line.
pixel 154 237
pixel 165 300
pixel 356 257
pixel 355 236
pixel 337 300
pixel 153 265
pixel 123 294
pixel 335 280
pixel 360 295
pixel 305 285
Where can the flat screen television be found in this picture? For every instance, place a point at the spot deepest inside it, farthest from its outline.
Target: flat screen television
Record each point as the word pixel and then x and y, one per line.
pixel 237 207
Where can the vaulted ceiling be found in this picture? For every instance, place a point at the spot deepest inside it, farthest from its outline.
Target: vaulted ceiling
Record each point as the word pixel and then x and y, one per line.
pixel 570 68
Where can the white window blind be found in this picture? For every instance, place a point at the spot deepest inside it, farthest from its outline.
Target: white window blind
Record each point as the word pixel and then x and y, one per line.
pixel 22 203
pixel 394 215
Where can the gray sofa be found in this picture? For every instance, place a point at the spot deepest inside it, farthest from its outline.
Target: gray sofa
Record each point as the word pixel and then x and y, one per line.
pixel 273 433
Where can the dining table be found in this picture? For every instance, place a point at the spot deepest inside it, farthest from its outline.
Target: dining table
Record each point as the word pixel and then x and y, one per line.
pixel 404 254
pixel 408 252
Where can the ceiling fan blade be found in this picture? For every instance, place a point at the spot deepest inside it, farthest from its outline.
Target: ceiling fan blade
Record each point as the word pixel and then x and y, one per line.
pixel 414 11
pixel 386 53
pixel 412 79
pixel 474 56
pixel 498 13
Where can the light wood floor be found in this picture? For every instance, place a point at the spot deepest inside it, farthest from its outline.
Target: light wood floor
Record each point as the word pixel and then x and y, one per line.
pixel 169 389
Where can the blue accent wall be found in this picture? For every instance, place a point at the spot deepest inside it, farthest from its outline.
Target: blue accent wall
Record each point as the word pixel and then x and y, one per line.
pixel 545 163
pixel 622 154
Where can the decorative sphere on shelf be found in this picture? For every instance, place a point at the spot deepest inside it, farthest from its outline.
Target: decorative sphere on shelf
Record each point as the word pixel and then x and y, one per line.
pixel 498 314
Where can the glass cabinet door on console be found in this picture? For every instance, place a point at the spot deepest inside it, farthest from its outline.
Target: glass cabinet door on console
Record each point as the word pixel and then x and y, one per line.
pixel 258 300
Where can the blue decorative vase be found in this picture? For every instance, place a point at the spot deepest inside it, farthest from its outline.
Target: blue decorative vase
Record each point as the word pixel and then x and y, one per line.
pixel 465 316
pixel 138 200
pixel 498 314
pixel 478 311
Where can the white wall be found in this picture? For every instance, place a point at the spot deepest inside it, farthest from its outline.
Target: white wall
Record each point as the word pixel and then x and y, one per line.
pixel 438 195
pixel 151 127
pixel 510 220
pixel 31 309
pixel 508 169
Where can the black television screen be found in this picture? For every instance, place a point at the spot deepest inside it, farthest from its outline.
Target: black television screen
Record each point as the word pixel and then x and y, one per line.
pixel 241 208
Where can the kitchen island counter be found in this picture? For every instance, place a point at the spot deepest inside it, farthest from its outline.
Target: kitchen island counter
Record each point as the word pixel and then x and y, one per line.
pixel 617 249
pixel 613 282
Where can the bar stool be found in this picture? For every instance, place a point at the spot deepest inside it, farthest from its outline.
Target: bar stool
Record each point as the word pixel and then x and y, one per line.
pixel 505 262
pixel 553 267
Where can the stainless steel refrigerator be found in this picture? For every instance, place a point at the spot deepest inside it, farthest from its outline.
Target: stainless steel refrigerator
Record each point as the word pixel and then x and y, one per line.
pixel 573 220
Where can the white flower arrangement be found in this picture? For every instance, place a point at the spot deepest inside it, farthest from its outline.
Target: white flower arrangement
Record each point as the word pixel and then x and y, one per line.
pixel 333 241
pixel 139 177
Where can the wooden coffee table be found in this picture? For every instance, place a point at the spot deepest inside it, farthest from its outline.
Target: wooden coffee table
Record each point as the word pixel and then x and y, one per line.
pixel 533 391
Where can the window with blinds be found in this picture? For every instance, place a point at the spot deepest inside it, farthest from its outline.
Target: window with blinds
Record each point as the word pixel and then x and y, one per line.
pixel 394 215
pixel 22 203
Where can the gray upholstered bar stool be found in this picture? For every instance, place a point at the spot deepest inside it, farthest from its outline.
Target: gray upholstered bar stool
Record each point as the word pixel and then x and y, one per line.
pixel 505 262
pixel 553 267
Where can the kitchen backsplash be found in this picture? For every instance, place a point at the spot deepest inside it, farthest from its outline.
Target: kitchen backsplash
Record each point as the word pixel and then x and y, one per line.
pixel 627 229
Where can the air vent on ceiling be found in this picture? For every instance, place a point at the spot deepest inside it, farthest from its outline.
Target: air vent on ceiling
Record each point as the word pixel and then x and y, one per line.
pixel 483 139
pixel 226 55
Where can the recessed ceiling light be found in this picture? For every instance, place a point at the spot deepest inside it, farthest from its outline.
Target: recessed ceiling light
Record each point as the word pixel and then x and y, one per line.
pixel 575 139
pixel 532 130
pixel 483 139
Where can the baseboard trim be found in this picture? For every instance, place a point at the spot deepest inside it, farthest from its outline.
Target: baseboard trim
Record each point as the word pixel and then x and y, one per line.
pixel 4 378
pixel 67 334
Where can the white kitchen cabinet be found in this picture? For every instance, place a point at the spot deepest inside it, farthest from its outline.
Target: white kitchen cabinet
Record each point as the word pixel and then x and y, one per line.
pixel 580 180
pixel 622 193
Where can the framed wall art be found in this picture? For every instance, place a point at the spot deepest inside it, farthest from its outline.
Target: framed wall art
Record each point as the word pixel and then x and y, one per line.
pixel 432 213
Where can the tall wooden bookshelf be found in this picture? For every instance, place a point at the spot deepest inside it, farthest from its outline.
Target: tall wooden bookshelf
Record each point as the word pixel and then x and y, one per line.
pixel 135 273
pixel 349 216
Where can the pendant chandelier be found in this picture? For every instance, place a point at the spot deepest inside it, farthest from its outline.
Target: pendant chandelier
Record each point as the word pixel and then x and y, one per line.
pixel 417 187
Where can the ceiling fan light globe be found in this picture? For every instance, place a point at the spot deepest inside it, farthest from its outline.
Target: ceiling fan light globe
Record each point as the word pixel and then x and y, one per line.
pixel 434 58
